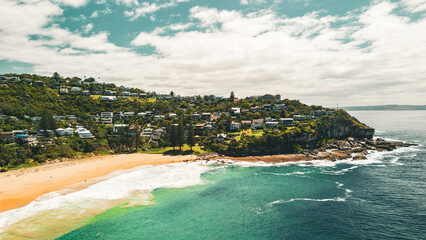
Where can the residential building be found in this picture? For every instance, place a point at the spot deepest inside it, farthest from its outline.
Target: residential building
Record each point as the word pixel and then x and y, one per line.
pixel 271 124
pixel 199 128
pixel 257 123
pixel 109 98
pixel 246 123
pixel 126 94
pixel 63 90
pixel 196 116
pixel 83 132
pixel 143 95
pixel 267 107
pixel 300 117
pixel 147 132
pixel 158 117
pixel 235 110
pixel 39 84
pixel 279 107
pixel 128 114
pixel 206 116
pixel 221 137
pixel 120 128
pixel 287 122
pixel 65 131
pixel 86 93
pixel 75 89
pixel 235 126
pixel 173 115
pixel 255 109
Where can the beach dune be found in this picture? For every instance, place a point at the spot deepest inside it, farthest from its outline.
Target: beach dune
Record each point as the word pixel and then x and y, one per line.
pixel 20 187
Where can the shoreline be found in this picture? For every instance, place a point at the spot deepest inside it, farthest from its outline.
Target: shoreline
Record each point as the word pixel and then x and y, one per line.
pixel 22 186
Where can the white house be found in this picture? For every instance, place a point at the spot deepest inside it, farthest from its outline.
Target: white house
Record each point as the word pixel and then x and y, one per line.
pixel 235 110
pixel 109 98
pixel 125 94
pixel 173 115
pixel 65 131
pixel 279 107
pixel 75 89
pixel 235 126
pixel 221 137
pixel 300 117
pixel 83 132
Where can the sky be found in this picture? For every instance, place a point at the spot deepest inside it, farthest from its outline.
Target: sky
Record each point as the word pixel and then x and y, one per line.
pixel 322 52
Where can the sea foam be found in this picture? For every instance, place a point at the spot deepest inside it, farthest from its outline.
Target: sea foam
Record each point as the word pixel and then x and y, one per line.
pixel 101 195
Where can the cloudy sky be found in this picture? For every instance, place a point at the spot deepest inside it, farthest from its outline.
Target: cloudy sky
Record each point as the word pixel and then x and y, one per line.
pixel 319 51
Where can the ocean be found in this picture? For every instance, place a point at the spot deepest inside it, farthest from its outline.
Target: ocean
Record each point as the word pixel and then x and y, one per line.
pixel 383 197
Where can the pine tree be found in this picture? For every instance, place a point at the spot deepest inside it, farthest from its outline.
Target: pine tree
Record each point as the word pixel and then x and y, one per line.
pixel 232 97
pixel 47 121
pixel 190 140
pixel 180 134
pixel 172 136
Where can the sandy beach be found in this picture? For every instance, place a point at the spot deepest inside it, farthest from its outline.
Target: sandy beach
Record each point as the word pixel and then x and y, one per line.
pixel 20 187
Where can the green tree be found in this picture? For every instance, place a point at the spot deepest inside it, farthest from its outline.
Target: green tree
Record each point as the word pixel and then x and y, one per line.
pixel 56 76
pixel 190 140
pixel 232 97
pixel 47 121
pixel 180 134
pixel 137 139
pixel 172 135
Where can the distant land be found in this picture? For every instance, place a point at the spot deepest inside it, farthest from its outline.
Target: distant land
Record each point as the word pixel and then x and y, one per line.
pixel 386 108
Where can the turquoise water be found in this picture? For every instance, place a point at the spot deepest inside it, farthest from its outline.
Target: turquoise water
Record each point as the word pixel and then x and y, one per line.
pixel 383 197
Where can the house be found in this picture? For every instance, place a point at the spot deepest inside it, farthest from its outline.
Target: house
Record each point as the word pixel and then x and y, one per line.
pixel 142 95
pixel 158 117
pixel 65 131
pixel 119 115
pixel 215 116
pixel 107 115
pixel 255 109
pixel 235 110
pixel 199 128
pixel 134 94
pixel 133 129
pixel 120 128
pixel 35 119
pixel 147 132
pixel 257 123
pixel 196 116
pixel 278 98
pixel 208 127
pixel 75 89
pixel 300 117
pixel 110 93
pixel 63 90
pixel 173 115
pixel 268 97
pixel 72 118
pixel 279 107
pixel 97 93
pixel 271 124
pixel 221 137
pixel 156 134
pixel 235 126
pixel 86 93
pixel 2 117
pixel 109 98
pixel 27 80
pixel 125 94
pixel 245 111
pixel 287 122
pixel 83 132
pixel 267 107
pixel 206 116
pixel 128 114
pixel 246 123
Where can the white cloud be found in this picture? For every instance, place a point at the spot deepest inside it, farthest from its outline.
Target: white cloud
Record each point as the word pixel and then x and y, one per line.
pixel 142 9
pixel 415 5
pixel 302 58
pixel 73 3
pixel 88 28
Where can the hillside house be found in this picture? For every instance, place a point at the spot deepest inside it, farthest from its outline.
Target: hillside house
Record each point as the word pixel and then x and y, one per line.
pixel 235 126
pixel 271 124
pixel 221 137
pixel 287 122
pixel 257 123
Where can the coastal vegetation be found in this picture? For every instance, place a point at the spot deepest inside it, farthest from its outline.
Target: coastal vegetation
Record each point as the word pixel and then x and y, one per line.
pixel 35 109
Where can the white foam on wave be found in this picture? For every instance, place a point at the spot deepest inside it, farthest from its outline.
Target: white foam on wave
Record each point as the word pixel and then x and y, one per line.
pixel 139 180
pixel 335 199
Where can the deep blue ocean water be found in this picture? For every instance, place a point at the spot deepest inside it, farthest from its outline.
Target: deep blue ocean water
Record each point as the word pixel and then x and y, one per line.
pixel 383 197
